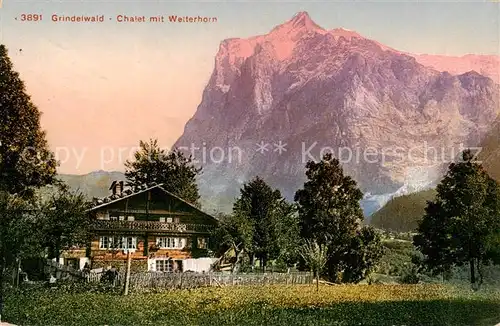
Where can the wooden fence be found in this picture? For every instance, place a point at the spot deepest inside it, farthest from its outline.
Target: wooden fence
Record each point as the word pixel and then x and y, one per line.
pixel 167 281
pixel 158 281
pixel 61 271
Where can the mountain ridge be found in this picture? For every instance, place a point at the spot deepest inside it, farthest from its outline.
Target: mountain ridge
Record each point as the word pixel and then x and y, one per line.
pixel 301 83
pixel 485 64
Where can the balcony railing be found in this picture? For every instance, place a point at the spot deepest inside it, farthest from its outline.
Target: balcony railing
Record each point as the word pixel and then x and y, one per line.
pixel 150 226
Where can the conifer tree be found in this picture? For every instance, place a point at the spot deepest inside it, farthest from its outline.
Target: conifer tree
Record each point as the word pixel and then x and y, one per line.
pixel 26 163
pixel 273 221
pixel 25 159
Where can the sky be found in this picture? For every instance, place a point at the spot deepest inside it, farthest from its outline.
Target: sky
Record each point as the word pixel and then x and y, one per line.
pixel 102 87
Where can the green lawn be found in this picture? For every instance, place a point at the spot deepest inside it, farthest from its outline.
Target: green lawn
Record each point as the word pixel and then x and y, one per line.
pixel 265 305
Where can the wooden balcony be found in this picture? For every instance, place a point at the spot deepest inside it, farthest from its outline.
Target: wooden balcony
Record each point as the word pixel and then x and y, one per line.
pixel 106 225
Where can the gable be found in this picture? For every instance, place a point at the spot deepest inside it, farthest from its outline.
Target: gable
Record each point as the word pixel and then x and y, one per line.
pixel 155 199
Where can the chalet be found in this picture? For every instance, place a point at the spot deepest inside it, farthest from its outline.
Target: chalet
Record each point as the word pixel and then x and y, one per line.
pixel 162 232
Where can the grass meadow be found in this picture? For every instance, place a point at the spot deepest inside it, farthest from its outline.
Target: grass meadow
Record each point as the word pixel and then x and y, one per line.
pixel 423 304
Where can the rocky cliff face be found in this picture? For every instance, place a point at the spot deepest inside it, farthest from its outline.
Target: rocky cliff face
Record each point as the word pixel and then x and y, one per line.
pixel 278 100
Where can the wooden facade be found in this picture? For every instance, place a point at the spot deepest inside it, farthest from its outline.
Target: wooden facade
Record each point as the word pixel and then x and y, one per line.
pixel 161 231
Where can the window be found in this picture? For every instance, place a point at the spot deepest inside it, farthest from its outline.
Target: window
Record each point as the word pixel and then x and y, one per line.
pixel 169 219
pixel 131 243
pixel 104 243
pixel 164 265
pixel 170 243
pixel 119 243
pixel 202 243
pixel 122 218
pixel 131 218
pixel 113 218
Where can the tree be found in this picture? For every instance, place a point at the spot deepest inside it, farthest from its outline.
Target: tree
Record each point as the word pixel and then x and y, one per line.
pixel 271 218
pixel 66 221
pixel 433 237
pixel 233 233
pixel 365 251
pixel 18 229
pixel 26 163
pixel 330 213
pixel 458 225
pixel 316 256
pixel 155 165
pixel 25 160
pixel 493 247
pixel 287 233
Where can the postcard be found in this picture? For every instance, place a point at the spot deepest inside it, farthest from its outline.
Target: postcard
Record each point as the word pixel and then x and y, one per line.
pixel 249 162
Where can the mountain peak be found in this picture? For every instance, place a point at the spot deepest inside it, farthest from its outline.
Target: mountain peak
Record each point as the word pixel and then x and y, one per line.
pixel 301 18
pixel 301 21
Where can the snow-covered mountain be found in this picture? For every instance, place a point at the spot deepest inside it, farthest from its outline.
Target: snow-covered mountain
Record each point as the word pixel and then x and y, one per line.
pixel 275 101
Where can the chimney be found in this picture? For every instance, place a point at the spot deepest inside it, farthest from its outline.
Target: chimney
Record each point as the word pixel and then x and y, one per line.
pixel 117 188
pixel 113 188
pixel 120 190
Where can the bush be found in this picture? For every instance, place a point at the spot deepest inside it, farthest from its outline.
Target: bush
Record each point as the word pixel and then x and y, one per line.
pixel 81 287
pixel 410 276
pixel 66 287
pixel 397 258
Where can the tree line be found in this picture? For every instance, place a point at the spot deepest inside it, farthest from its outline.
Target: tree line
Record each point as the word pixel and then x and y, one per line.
pixel 325 214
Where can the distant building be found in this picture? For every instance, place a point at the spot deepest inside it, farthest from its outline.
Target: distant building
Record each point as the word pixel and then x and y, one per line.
pixel 163 232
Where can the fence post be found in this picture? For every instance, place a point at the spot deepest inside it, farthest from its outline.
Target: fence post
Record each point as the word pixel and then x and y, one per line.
pixel 127 277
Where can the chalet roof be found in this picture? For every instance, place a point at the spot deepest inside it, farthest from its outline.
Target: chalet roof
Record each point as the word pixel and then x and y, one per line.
pixel 103 202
